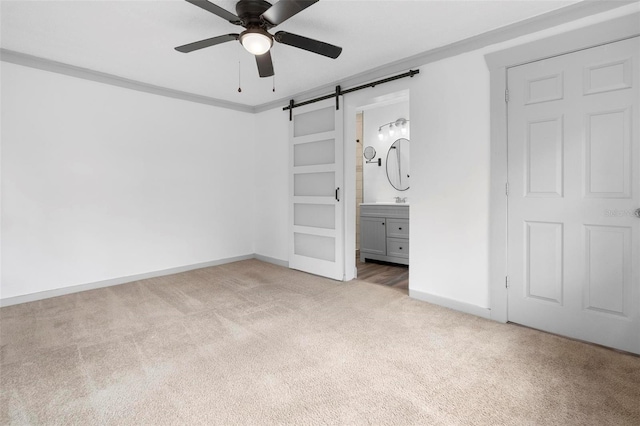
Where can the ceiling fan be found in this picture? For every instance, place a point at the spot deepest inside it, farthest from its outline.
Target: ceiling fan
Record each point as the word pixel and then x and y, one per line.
pixel 257 17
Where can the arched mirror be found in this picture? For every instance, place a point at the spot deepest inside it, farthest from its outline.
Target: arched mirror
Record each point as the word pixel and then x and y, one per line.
pixel 398 164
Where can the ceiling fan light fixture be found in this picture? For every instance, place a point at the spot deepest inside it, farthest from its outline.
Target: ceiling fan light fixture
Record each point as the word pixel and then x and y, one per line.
pixel 256 41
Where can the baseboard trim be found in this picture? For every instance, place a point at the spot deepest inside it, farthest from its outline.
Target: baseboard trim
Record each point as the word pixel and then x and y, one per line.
pixel 32 297
pixel 451 304
pixel 273 260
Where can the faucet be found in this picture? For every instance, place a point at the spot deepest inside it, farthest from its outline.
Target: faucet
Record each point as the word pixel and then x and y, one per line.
pixel 401 200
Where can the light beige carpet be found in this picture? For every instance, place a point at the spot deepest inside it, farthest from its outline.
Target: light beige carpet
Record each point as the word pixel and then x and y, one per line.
pixel 254 343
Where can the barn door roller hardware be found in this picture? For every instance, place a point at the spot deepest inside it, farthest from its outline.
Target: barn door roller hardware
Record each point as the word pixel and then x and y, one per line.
pixel 338 92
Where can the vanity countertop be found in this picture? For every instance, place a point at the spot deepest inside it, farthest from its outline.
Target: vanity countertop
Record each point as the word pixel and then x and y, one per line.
pixel 382 203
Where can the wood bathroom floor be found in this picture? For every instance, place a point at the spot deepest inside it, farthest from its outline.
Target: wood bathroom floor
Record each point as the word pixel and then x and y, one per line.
pixel 389 274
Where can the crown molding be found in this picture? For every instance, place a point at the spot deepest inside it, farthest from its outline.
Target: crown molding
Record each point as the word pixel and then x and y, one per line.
pixel 23 59
pixel 537 23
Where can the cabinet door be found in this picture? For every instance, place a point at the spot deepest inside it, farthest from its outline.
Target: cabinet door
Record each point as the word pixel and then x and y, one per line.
pixel 373 235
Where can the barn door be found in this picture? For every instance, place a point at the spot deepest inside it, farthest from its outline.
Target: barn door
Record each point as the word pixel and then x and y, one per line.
pixel 574 201
pixel 316 190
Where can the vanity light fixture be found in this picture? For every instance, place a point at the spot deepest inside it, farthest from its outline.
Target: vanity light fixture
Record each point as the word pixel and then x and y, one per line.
pixel 403 127
pixel 399 125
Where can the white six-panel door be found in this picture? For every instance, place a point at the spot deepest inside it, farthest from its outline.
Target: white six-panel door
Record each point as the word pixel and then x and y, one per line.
pixel 316 217
pixel 574 178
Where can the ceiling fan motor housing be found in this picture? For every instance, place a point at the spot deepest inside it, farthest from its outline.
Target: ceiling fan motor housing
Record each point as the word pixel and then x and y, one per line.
pixel 249 12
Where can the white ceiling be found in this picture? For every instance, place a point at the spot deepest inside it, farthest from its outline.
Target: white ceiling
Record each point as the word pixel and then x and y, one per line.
pixel 136 39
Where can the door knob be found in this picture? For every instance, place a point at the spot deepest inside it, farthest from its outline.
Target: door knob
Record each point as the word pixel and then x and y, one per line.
pixel 637 213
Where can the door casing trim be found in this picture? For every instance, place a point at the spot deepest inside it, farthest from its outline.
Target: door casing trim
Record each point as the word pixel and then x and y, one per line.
pixel 499 62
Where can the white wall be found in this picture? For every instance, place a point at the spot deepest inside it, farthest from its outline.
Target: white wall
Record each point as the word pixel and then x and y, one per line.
pixel 450 109
pixel 100 182
pixel 376 184
pixel 449 176
pixel 450 146
pixel 272 184
pixel 450 180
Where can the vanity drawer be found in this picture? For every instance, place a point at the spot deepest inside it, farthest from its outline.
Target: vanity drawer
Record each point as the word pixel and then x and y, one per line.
pixel 398 228
pixel 398 247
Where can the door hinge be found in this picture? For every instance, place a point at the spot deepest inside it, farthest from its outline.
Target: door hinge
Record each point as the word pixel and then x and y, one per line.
pixel 506 282
pixel 506 95
pixel 506 189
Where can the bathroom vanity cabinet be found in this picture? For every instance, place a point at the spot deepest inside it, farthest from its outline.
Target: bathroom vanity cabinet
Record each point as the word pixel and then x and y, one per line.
pixel 384 232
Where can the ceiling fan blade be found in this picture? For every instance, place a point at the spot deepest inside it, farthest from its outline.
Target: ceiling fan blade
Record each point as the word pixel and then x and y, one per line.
pixel 206 43
pixel 216 10
pixel 315 46
pixel 285 9
pixel 265 64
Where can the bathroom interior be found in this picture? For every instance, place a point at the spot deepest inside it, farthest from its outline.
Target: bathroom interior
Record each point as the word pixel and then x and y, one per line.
pixel 383 193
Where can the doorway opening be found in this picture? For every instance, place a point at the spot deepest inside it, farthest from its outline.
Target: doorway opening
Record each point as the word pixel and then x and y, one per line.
pixel 383 177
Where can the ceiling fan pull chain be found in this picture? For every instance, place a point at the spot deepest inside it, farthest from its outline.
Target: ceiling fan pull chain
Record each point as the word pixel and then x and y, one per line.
pixel 239 83
pixel 274 83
